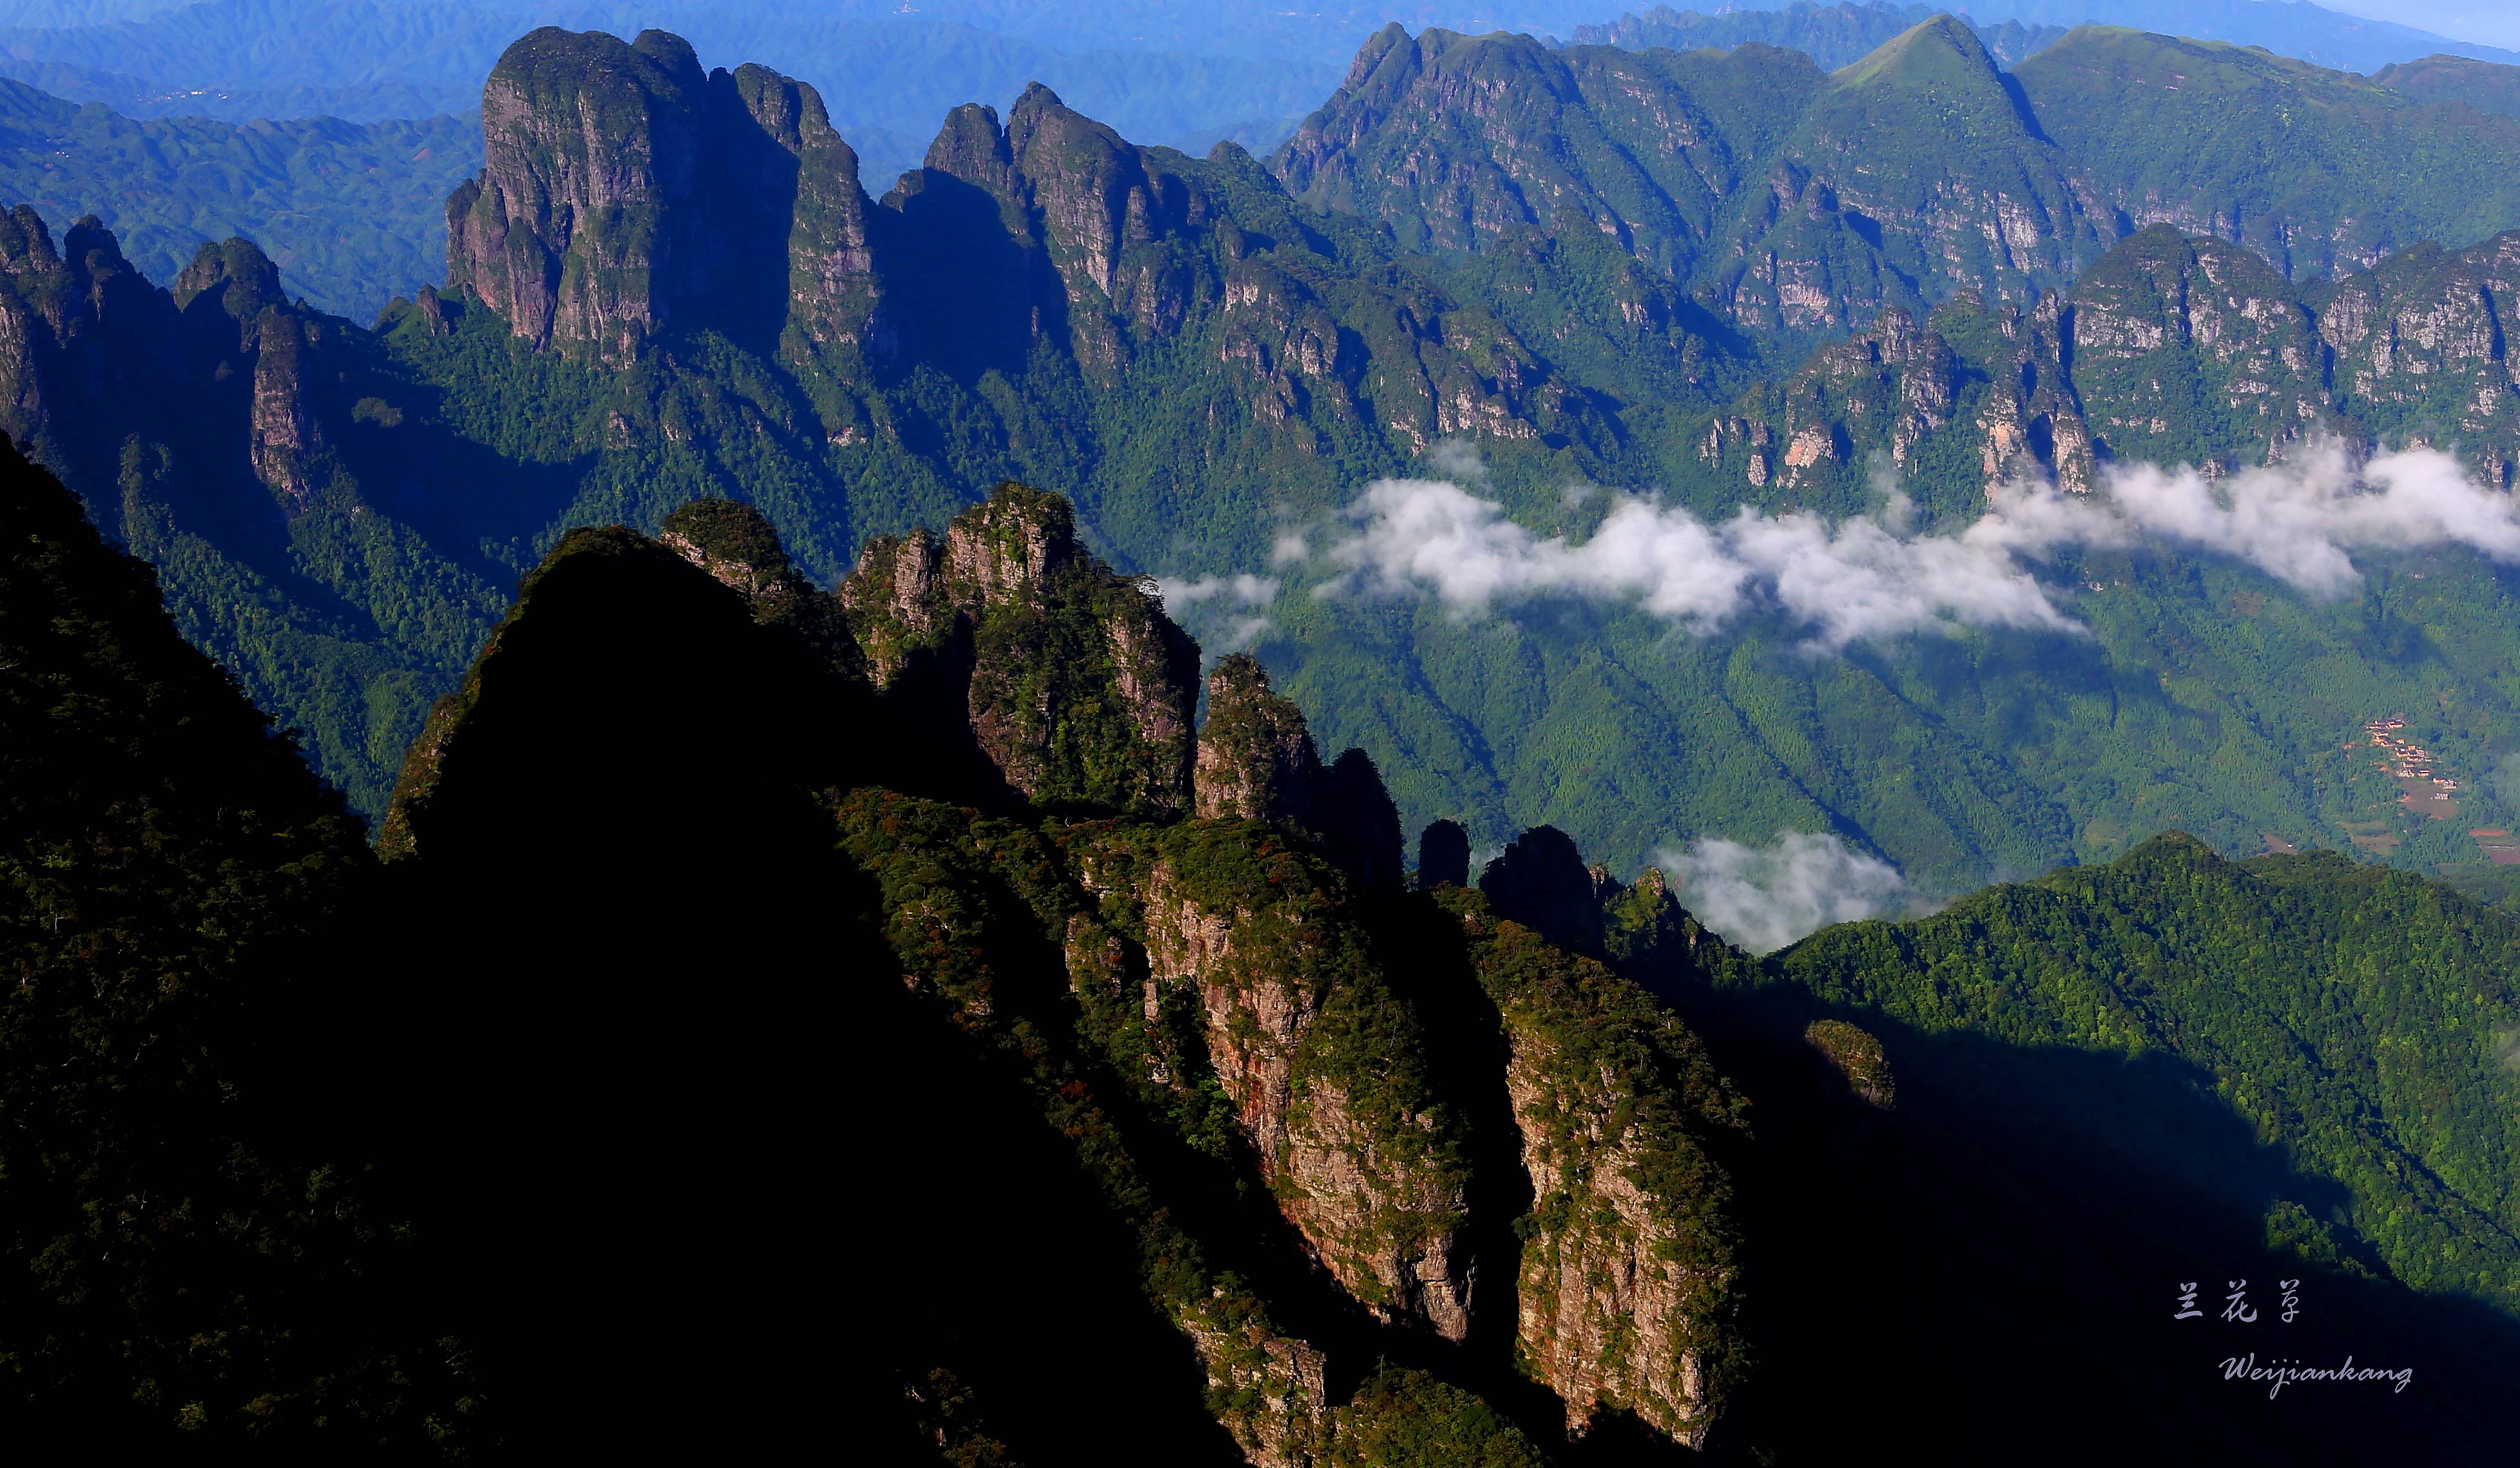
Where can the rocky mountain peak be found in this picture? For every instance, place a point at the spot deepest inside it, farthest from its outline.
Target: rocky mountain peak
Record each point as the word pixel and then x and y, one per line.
pixel 244 276
pixel 1392 37
pixel 1940 51
pixel 624 192
pixel 1256 759
pixel 1032 672
pixel 972 146
pixel 1540 880
pixel 732 542
pixel 1003 550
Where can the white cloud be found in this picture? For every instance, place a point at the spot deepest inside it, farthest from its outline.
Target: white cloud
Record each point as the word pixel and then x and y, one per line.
pixel 1458 459
pixel 1764 898
pixel 1855 579
pixel 1233 594
pixel 1244 590
pixel 2300 521
pixel 1240 633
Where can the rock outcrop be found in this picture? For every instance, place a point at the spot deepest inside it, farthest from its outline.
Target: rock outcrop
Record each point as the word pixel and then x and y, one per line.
pixel 625 191
pixel 1540 881
pixel 1772 190
pixel 627 197
pixel 2196 350
pixel 736 544
pixel 1256 759
pixel 1066 685
pixel 1629 1272
pixel 91 354
pixel 2421 350
pixel 1857 1056
pixel 1324 1064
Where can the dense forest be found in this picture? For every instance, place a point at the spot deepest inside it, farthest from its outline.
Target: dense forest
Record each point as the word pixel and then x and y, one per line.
pixel 1318 1163
pixel 339 517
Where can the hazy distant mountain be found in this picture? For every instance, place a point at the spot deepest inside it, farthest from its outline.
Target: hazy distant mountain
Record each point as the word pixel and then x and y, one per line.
pixel 1834 35
pixel 350 211
pixel 2483 85
pixel 889 76
pixel 2286 28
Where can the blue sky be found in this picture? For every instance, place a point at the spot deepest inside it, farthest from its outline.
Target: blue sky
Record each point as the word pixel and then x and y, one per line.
pixel 2489 22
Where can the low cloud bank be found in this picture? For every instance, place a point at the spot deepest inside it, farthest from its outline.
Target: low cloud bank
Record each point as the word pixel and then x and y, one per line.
pixel 1764 898
pixel 1237 596
pixel 2301 521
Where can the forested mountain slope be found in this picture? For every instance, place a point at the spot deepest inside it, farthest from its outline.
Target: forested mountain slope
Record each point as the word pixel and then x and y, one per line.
pixel 1833 35
pixel 1783 199
pixel 1217 371
pixel 1316 1165
pixel 352 213
pixel 199 1241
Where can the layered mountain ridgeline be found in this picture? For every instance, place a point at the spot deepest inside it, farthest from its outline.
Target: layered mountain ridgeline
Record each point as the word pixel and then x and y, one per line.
pixel 1265 1139
pixel 2328 38
pixel 2482 85
pixel 1183 1130
pixel 352 213
pixel 1834 35
pixel 890 73
pixel 720 308
pixel 1784 198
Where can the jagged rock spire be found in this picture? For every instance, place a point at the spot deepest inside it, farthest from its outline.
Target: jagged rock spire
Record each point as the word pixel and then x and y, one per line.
pixel 1256 759
pixel 1033 672
pixel 1443 855
pixel 624 190
pixel 1540 881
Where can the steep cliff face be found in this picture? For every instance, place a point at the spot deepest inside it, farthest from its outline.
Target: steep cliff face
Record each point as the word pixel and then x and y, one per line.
pixel 2422 350
pixel 1070 684
pixel 1461 140
pixel 1324 1065
pixel 92 356
pixel 1629 1272
pixel 1788 199
pixel 1885 389
pixel 1912 174
pixel 2171 348
pixel 624 190
pixel 1256 759
pixel 78 326
pixel 2183 347
pixel 1046 230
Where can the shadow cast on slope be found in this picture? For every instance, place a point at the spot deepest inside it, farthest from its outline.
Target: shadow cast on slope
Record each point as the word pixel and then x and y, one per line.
pixel 1997 1263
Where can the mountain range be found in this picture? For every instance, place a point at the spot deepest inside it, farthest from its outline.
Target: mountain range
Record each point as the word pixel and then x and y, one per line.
pixel 1214 365
pixel 1318 1163
pixel 1841 34
pixel 386 61
pixel 724 830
